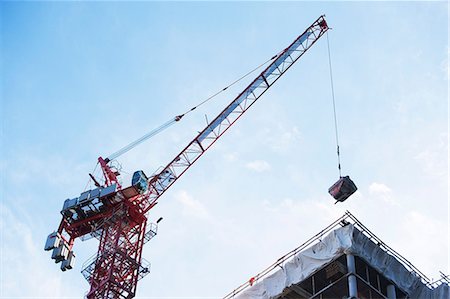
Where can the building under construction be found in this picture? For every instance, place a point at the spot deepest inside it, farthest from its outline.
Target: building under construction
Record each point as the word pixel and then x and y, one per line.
pixel 345 260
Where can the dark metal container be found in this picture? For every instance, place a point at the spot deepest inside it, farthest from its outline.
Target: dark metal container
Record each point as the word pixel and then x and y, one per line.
pixel 342 189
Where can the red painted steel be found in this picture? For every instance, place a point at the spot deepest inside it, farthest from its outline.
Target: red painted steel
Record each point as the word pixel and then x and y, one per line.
pixel 108 173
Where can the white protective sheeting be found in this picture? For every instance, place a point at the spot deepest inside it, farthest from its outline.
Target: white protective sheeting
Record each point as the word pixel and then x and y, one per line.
pixel 441 292
pixel 342 240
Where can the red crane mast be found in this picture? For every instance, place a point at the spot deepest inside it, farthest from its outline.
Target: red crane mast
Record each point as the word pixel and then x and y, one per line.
pixel 117 216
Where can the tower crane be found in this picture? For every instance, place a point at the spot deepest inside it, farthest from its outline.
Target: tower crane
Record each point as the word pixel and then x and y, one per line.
pixel 117 215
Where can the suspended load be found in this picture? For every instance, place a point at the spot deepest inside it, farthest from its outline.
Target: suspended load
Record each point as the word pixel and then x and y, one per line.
pixel 342 189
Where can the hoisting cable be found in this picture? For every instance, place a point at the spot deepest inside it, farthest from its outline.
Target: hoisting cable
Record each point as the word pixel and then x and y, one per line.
pixel 179 117
pixel 334 108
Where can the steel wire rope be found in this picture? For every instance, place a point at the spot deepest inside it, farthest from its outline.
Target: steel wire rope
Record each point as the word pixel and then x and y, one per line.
pixel 231 84
pixel 334 108
pixel 177 118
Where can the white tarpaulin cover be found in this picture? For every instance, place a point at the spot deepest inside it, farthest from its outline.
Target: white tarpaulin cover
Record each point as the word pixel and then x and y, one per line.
pixel 347 239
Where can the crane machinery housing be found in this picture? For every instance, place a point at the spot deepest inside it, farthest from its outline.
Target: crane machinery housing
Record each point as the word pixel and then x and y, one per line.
pixel 117 215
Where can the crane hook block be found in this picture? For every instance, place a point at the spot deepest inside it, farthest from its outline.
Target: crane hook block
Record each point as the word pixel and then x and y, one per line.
pixel 342 189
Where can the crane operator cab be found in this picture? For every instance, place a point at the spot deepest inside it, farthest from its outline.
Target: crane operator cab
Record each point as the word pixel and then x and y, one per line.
pixel 342 189
pixel 140 181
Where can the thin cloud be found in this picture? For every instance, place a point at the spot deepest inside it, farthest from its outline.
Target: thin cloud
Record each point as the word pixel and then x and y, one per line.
pixel 258 166
pixel 431 158
pixel 16 232
pixel 191 206
pixel 380 190
pixel 285 138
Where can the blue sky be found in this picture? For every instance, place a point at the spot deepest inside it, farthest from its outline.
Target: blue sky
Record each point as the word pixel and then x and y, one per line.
pixel 81 80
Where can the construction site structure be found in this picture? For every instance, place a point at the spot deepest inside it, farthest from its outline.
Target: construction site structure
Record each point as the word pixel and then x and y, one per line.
pixel 117 215
pixel 344 260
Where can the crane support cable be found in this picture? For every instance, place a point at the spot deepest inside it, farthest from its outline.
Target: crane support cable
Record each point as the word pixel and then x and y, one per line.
pixel 179 117
pixel 334 108
pixel 142 139
pixel 231 84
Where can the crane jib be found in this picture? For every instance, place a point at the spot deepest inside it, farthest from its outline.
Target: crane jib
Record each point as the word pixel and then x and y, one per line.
pixel 286 54
pixel 225 119
pixel 261 79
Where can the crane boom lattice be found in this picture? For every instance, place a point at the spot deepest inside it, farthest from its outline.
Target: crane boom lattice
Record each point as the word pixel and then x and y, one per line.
pixel 161 182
